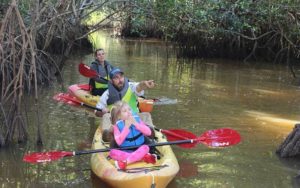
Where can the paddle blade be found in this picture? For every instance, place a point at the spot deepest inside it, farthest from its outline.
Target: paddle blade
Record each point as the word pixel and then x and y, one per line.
pixel 85 87
pixel 179 134
pixel 42 157
pixel 66 98
pixel 220 137
pixel 87 71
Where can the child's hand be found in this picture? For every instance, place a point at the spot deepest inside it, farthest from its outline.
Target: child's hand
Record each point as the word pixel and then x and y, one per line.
pixel 130 121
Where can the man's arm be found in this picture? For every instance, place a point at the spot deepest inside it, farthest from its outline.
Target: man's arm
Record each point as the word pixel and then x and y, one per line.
pixel 144 85
pixel 102 104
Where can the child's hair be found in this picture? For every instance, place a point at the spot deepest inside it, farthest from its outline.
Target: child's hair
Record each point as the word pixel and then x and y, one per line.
pixel 115 111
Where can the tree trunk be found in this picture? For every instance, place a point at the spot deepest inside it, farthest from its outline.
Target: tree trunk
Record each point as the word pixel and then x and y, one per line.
pixel 291 145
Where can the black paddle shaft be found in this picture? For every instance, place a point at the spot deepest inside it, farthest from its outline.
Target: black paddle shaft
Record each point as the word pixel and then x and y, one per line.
pixel 134 147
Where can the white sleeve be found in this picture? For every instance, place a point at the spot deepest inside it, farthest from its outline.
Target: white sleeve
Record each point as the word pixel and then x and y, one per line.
pixel 133 86
pixel 102 103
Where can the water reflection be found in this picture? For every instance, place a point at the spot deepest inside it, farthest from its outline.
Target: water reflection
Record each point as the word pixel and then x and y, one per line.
pixel 267 118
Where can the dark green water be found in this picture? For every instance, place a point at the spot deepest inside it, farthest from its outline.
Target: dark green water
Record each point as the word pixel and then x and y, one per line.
pixel 256 100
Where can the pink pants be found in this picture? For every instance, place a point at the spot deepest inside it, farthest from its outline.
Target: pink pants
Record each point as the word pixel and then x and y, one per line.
pixel 132 157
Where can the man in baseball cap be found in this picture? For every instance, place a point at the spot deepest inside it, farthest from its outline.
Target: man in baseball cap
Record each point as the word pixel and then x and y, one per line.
pixel 120 88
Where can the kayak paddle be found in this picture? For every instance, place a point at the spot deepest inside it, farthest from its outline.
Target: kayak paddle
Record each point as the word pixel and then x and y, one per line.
pixel 177 134
pixel 87 71
pixel 213 138
pixel 69 99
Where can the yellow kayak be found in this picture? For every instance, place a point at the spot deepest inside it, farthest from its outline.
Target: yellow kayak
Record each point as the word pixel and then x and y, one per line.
pixel 137 175
pixel 82 93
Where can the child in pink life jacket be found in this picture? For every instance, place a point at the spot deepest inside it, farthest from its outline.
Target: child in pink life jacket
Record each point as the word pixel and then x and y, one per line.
pixel 129 130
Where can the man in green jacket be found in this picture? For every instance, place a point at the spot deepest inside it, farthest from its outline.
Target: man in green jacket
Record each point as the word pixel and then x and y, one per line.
pixel 119 88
